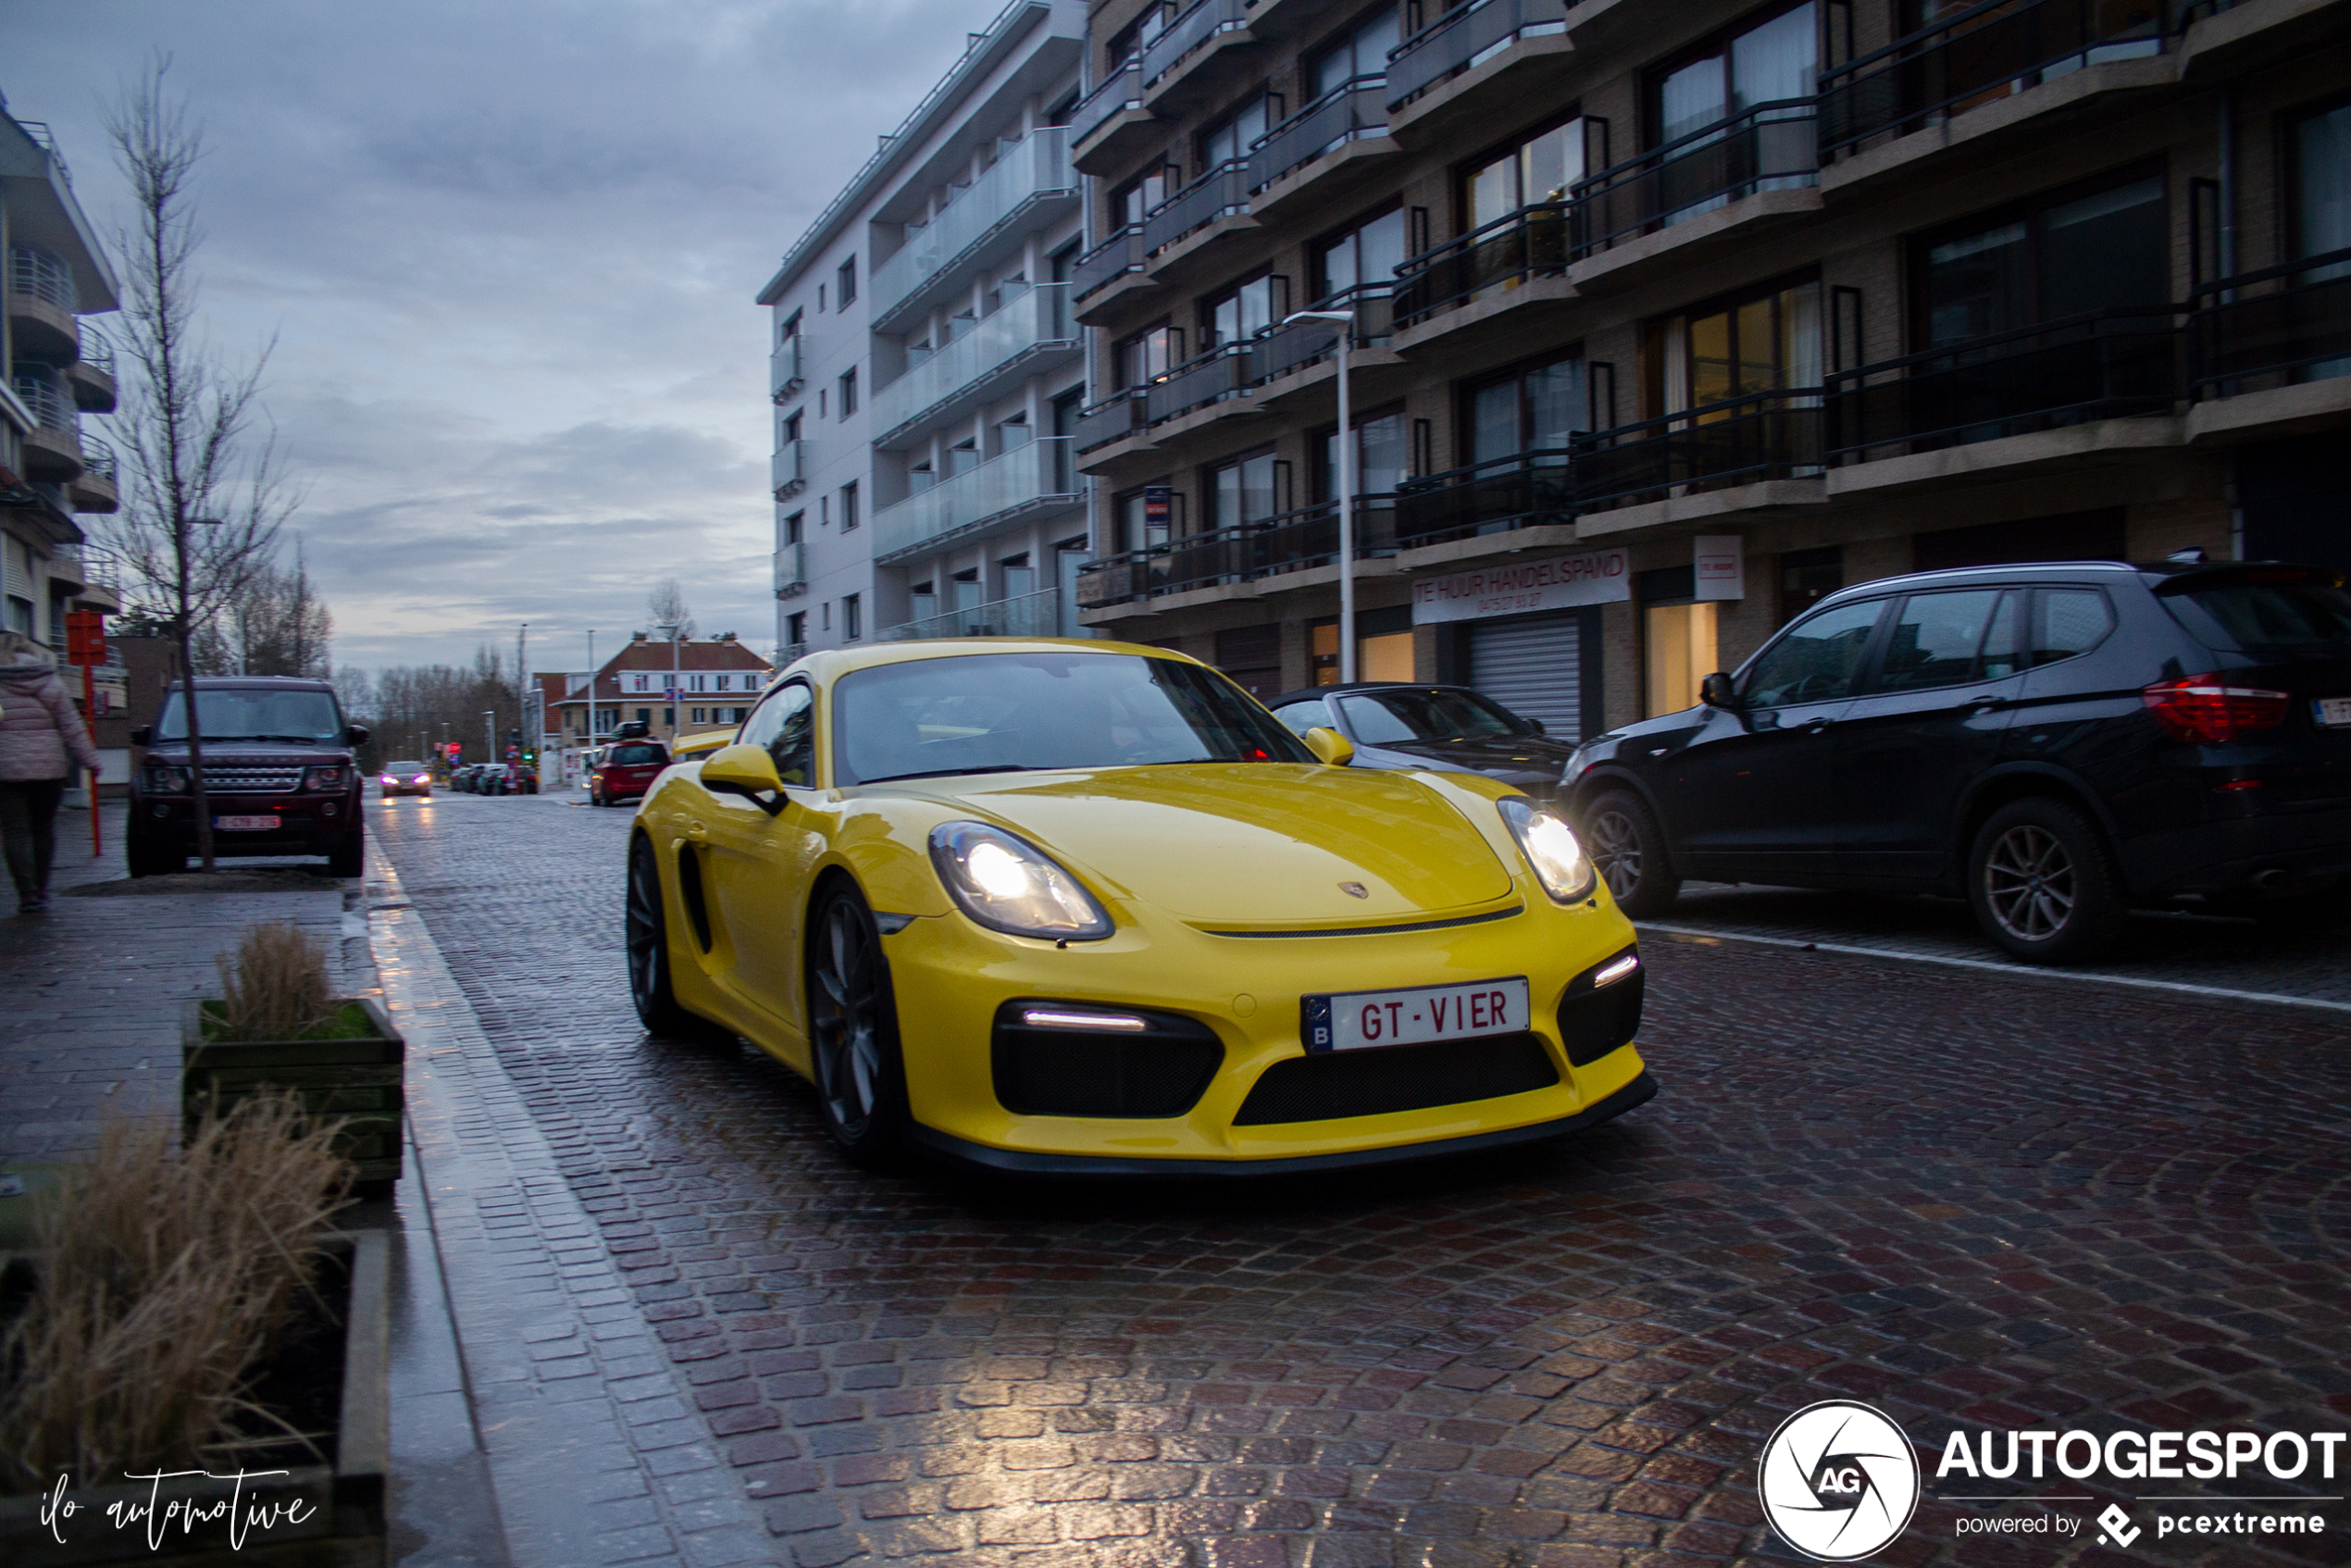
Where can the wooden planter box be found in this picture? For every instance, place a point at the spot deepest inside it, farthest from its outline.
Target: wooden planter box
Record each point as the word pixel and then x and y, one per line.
pixel 359 1079
pixel 342 1504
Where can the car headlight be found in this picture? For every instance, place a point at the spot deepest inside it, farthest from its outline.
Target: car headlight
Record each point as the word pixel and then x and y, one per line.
pixel 1007 884
pixel 1550 847
pixel 167 780
pixel 322 781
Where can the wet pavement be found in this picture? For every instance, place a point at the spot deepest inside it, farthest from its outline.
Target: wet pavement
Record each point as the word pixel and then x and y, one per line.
pixel 1970 1199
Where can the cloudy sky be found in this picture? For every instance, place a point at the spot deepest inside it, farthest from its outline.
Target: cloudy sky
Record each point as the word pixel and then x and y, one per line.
pixel 508 252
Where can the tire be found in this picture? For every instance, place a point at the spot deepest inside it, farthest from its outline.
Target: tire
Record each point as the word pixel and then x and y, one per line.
pixel 350 857
pixel 646 931
pixel 143 859
pixel 852 1030
pixel 2042 886
pixel 1628 849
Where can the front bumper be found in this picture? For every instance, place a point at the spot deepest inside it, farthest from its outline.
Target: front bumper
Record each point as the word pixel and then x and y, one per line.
pixel 309 824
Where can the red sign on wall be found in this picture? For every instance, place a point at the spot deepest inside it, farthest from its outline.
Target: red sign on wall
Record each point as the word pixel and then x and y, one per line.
pixel 85 637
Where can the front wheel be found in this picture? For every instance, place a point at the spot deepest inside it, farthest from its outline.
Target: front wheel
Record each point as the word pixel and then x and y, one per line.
pixel 349 858
pixel 852 1031
pixel 647 935
pixel 143 859
pixel 1628 851
pixel 2041 885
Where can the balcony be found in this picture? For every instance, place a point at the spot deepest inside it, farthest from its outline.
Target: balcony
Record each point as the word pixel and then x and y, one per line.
pixel 1244 553
pixel 1525 490
pixel 1030 615
pixel 97 488
pixel 1111 124
pixel 53 447
pixel 1212 378
pixel 1298 345
pixel 1771 147
pixel 1222 191
pixel 1031 185
pixel 1354 112
pixel 783 375
pixel 2103 364
pixel 2266 332
pixel 1114 418
pixel 1108 273
pixel 1982 54
pixel 787 469
pixel 1030 479
pixel 42 302
pixel 1169 60
pixel 1468 36
pixel 1531 243
pixel 1027 335
pixel 1773 435
pixel 792 570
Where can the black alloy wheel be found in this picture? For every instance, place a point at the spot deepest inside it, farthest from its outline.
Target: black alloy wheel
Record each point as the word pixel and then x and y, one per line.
pixel 1628 851
pixel 852 1029
pixel 2041 885
pixel 647 932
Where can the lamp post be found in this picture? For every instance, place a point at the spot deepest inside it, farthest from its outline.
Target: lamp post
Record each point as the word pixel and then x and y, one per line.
pixel 671 628
pixel 1345 320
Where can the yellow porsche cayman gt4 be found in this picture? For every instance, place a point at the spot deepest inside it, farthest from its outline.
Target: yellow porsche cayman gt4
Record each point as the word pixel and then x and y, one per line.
pixel 1087 907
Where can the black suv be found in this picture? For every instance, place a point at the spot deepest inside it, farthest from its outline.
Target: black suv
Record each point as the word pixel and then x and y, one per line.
pixel 1398 724
pixel 2052 742
pixel 279 776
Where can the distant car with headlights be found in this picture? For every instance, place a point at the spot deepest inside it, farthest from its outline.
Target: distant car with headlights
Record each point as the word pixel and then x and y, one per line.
pixel 404 779
pixel 1087 908
pixel 280 773
pixel 1405 724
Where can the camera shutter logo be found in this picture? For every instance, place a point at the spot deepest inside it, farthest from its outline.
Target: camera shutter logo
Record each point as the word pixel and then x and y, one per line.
pixel 1839 1481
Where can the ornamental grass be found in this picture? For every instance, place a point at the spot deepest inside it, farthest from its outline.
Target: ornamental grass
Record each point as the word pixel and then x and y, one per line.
pixel 277 989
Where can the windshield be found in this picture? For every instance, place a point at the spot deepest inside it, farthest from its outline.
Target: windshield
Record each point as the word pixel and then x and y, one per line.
pixel 2310 619
pixel 1384 717
pixel 403 767
pixel 253 714
pixel 991 713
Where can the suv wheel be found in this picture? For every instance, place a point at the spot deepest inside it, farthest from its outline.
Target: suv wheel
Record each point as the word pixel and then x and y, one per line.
pixel 349 858
pixel 1628 851
pixel 2041 885
pixel 143 859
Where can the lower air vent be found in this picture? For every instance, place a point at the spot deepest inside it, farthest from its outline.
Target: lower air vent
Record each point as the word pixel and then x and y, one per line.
pixel 1595 1019
pixel 1133 1064
pixel 1402 1078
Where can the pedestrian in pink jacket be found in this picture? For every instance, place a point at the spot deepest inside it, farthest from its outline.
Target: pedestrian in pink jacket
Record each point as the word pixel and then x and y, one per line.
pixel 41 737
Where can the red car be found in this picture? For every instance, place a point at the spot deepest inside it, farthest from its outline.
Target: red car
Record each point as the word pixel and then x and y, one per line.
pixel 626 771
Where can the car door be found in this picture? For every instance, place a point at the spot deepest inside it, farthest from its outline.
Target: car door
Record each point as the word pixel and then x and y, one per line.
pixel 759 860
pixel 1748 794
pixel 1931 718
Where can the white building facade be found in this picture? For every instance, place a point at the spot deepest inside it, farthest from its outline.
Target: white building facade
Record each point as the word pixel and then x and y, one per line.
pixel 927 370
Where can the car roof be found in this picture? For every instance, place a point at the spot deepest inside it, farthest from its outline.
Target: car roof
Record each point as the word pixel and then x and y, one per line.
pixel 269 682
pixel 1305 692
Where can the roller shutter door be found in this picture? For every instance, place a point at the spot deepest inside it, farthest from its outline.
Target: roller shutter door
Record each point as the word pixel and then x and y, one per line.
pixel 1533 665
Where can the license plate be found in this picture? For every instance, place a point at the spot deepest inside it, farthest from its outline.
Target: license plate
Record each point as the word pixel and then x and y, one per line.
pixel 245 824
pixel 2333 712
pixel 1414 1015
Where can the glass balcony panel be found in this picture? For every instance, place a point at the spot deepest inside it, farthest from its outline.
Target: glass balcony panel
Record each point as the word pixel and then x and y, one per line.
pixel 1188 33
pixel 1460 37
pixel 791 568
pixel 1037 317
pixel 1770 147
pixel 1524 489
pixel 2279 327
pixel 1027 477
pixel 1120 91
pixel 784 376
pixel 788 468
pixel 1221 191
pixel 1210 378
pixel 1113 418
pixel 1769 435
pixel 1114 258
pixel 1357 108
pixel 1530 242
pixel 1029 615
pixel 1039 166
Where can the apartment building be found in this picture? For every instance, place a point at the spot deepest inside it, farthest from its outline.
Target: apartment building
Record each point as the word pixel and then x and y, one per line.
pixel 58 370
pixel 1665 321
pixel 927 369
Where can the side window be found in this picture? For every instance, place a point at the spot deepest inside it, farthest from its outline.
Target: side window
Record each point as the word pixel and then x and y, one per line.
pixel 784 726
pixel 1304 716
pixel 1816 660
pixel 1935 639
pixel 2067 621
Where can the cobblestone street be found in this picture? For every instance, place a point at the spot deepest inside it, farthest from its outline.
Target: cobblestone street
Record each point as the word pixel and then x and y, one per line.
pixel 1968 1196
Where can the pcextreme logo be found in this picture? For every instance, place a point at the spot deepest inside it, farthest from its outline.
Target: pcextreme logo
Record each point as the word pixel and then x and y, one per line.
pixel 1839 1481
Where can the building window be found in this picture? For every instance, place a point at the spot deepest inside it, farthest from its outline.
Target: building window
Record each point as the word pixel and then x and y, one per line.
pixel 849 507
pixel 1230 140
pixel 1241 311
pixel 1246 490
pixel 846 278
pixel 1140 525
pixel 644 716
pixel 1145 357
pixel 848 399
pixel 1133 201
pixel 1677 639
pixel 2320 148
pixel 796 629
pixel 791 424
pixel 825 615
pixel 1017 576
pixel 1767 62
pixel 793 524
pixel 1527 172
pixel 790 329
pixel 1368 253
pixel 1358 56
pixel 851 618
pixel 1529 408
pixel 1381 456
pixel 697 717
pixel 1762 341
pixel 2108 249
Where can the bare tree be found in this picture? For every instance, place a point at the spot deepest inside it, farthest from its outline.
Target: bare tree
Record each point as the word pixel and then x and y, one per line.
pixel 276 625
pixel 206 497
pixel 666 604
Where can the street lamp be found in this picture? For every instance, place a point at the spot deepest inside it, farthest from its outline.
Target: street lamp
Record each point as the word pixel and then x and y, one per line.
pixel 1345 320
pixel 671 628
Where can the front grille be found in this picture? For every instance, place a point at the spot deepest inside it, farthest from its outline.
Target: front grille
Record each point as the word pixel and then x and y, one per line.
pixel 1398 1078
pixel 1595 1022
pixel 251 781
pixel 1061 1071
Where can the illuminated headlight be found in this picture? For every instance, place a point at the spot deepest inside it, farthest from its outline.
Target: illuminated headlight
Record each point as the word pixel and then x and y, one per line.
pixel 1007 884
pixel 1550 847
pixel 421 778
pixel 167 780
pixel 321 780
pixel 390 779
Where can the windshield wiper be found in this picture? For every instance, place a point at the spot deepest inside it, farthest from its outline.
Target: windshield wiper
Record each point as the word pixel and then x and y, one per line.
pixel 951 772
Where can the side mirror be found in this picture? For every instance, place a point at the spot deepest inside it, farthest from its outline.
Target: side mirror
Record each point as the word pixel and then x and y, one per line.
pixel 1716 691
pixel 744 770
pixel 1330 748
pixel 356 733
pixel 142 735
pixel 1536 725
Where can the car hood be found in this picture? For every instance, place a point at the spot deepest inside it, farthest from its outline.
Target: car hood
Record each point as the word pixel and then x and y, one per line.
pixel 1255 844
pixel 1501 756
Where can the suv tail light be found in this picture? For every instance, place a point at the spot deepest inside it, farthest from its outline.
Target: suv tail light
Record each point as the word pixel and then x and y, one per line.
pixel 2205 710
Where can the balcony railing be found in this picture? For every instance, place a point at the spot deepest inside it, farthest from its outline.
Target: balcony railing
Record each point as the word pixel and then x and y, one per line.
pixel 1286 348
pixel 2101 364
pixel 787 469
pixel 784 376
pixel 1114 418
pixel 1029 615
pixel 2277 327
pixel 1763 436
pixel 1120 91
pixel 1220 192
pixel 43 275
pixel 50 404
pixel 1212 378
pixel 1113 258
pixel 1463 37
pixel 791 568
pixel 1530 242
pixel 1770 147
pixel 1292 542
pixel 1355 109
pixel 1987 52
pixel 1035 169
pixel 1523 490
pixel 1028 477
pixel 1189 32
pixel 1034 325
pixel 98 458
